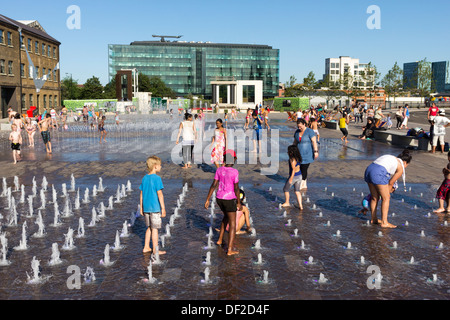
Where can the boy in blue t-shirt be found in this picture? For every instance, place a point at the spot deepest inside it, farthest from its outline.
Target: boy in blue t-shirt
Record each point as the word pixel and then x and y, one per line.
pixel 152 203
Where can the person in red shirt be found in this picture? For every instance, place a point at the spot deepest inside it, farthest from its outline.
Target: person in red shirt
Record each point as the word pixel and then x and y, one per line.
pixel 432 112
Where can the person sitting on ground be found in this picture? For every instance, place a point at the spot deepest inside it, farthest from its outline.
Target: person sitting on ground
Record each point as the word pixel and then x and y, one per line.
pixel 366 201
pixel 368 130
pixel 242 217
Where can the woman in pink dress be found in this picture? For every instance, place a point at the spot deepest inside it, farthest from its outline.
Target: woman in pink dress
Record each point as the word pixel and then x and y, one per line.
pixel 219 143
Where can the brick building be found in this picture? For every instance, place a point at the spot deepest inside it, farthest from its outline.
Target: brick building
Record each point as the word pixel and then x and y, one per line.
pixel 29 67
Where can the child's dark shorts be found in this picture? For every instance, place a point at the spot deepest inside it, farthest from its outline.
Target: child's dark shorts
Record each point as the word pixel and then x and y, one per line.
pixel 227 205
pixel 15 146
pixel 46 136
pixel 153 220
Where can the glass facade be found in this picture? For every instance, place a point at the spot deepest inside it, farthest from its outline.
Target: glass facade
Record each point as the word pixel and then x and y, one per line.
pixel 410 80
pixel 189 67
pixel 441 76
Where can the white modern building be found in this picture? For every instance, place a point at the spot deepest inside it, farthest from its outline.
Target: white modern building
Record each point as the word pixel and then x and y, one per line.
pixel 339 69
pixel 241 94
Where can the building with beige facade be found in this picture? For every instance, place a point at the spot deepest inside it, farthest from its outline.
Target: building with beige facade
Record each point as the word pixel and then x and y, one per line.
pixel 29 67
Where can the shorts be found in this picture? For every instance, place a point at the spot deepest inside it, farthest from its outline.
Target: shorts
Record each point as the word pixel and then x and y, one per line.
pixel 436 139
pixel 443 190
pixel 344 132
pixel 227 205
pixel 153 220
pixel 376 174
pixel 46 136
pixel 256 135
pixel 15 146
pixel 297 181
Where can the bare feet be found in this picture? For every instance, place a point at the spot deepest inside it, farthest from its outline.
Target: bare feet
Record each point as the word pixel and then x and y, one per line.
pixel 440 210
pixel 388 225
pixel 232 252
pixel 147 250
pixel 286 204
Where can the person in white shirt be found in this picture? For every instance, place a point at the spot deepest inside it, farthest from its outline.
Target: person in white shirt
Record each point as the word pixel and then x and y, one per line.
pixel 440 122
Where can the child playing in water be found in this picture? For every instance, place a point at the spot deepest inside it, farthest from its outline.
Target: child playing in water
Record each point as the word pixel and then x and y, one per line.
pixel 31 130
pixel 16 140
pixel 101 128
pixel 228 198
pixel 117 118
pixel 343 122
pixel 295 176
pixel 44 128
pixel 242 217
pixel 368 198
pixel 152 203
pixel 442 194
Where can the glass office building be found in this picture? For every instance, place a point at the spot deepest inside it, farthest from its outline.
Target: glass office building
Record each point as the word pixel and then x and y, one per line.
pixel 441 76
pixel 189 67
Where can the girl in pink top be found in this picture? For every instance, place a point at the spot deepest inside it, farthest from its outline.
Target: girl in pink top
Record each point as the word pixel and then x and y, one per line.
pixel 226 181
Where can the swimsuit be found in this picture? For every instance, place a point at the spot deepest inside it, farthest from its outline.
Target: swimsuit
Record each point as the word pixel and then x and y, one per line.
pixel 15 146
pixel 46 136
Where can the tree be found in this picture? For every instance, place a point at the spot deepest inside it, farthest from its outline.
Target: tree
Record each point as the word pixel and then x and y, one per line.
pixel 330 89
pixel 109 91
pixel 156 86
pixel 309 84
pixel 92 89
pixel 291 88
pixel 372 78
pixel 393 82
pixel 346 84
pixel 70 89
pixel 425 83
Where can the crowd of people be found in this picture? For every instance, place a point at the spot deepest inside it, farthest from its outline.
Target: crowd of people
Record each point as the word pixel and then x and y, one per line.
pixel 50 120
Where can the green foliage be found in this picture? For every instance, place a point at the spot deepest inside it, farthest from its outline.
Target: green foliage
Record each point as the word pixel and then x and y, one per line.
pixel 70 89
pixel 92 89
pixel 109 91
pixel 393 81
pixel 156 86
pixel 296 103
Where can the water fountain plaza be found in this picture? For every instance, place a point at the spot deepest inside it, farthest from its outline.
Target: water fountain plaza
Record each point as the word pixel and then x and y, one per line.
pixel 289 256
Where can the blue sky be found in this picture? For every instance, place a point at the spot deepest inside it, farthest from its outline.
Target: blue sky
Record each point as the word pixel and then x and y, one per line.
pixel 306 32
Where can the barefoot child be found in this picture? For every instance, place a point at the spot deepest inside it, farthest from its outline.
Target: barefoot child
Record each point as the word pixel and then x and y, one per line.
pixel 242 217
pixel 16 140
pixel 295 176
pixel 101 128
pixel 31 130
pixel 44 128
pixel 228 199
pixel 152 203
pixel 343 123
pixel 442 194
pixel 368 198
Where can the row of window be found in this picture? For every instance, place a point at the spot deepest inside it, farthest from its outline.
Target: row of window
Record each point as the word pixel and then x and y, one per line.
pixel 50 52
pixel 3 67
pixel 51 74
pixel 8 38
pixel 46 50
pixel 52 101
